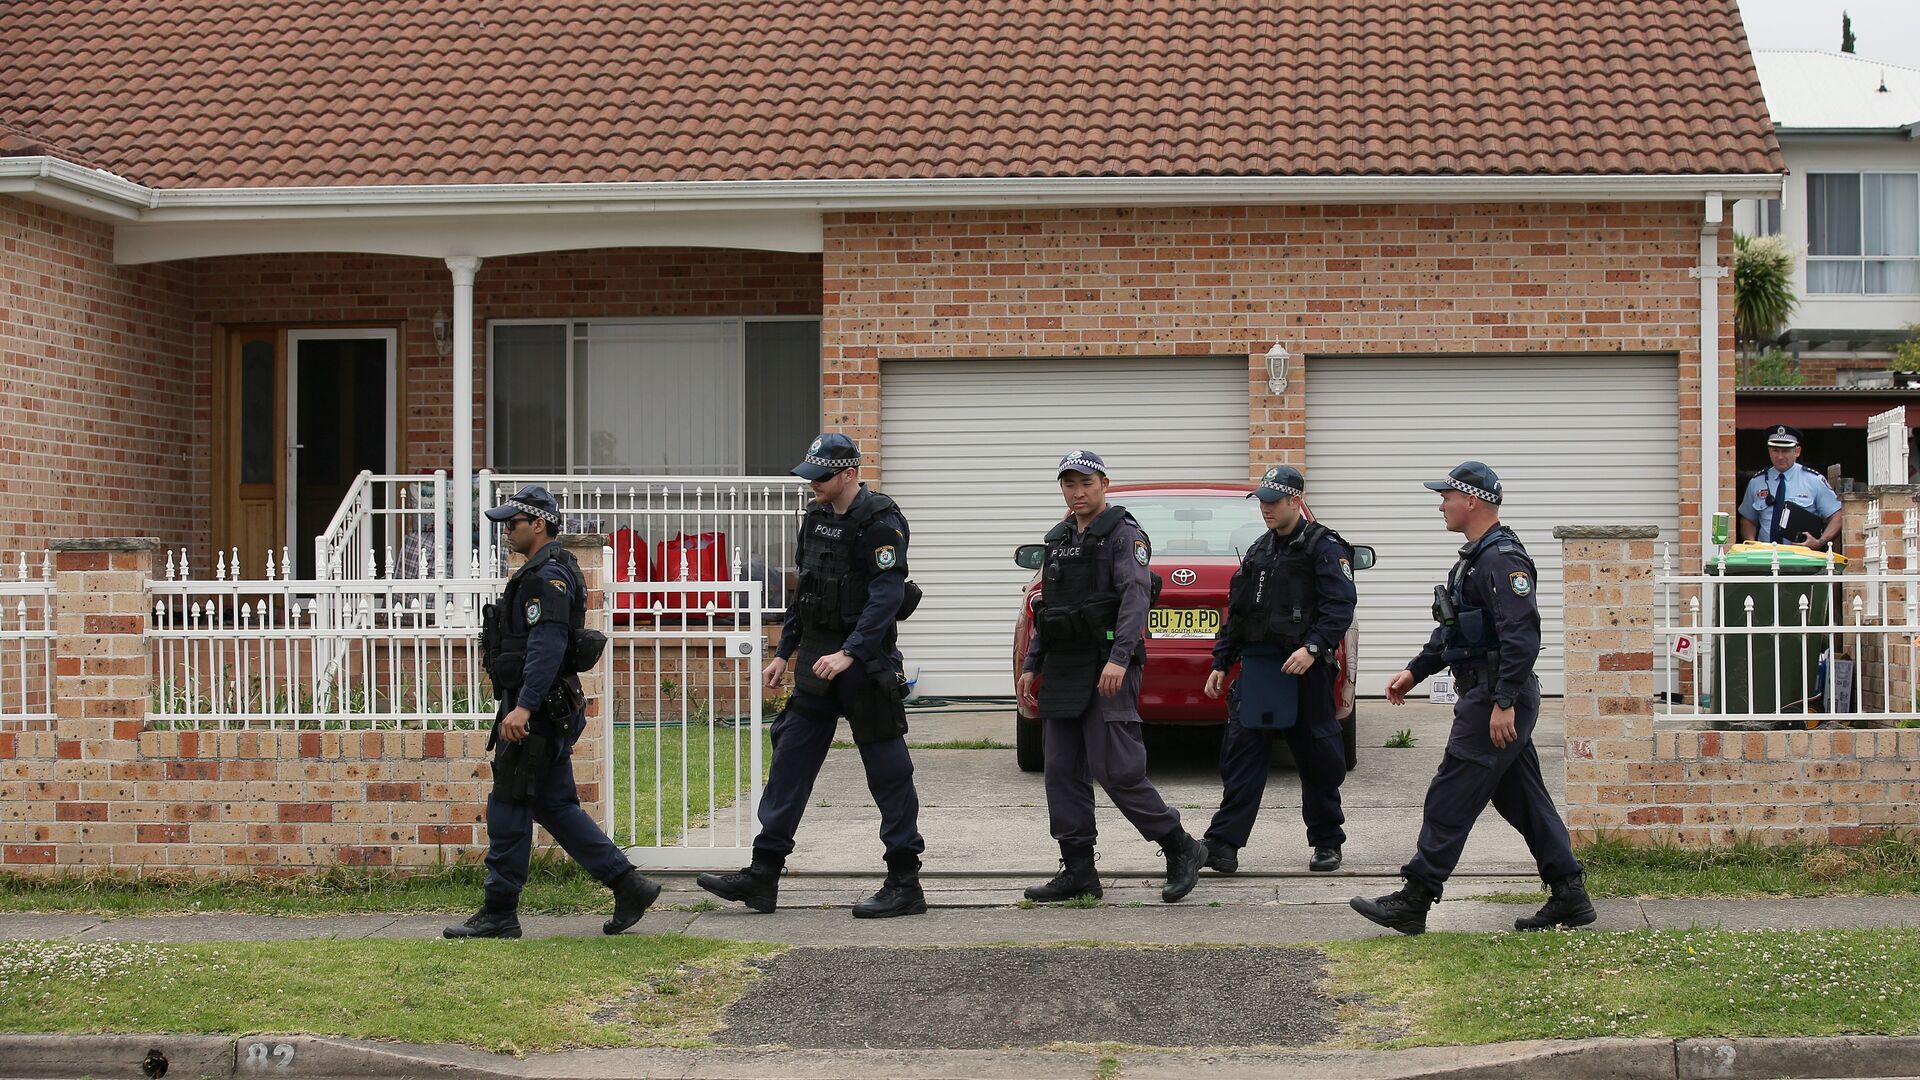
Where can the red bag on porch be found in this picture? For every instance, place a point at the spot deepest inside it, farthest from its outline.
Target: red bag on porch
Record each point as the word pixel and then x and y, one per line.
pixel 700 557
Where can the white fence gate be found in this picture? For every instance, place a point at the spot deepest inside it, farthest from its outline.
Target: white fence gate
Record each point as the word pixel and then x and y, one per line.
pixel 1887 447
pixel 683 703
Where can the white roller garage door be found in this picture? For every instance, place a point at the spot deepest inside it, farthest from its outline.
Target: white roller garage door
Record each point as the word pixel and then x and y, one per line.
pixel 968 450
pixel 1576 440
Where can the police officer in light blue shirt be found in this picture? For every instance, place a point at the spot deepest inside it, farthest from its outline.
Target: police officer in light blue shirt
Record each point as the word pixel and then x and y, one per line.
pixel 1789 503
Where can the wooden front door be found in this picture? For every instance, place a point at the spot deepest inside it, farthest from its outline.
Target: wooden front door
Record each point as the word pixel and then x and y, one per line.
pixel 249 421
pixel 298 414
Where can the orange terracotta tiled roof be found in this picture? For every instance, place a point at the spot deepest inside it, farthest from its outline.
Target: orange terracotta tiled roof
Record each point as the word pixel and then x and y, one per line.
pixel 254 93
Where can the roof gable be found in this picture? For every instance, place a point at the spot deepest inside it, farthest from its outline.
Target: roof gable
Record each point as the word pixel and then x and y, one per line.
pixel 249 93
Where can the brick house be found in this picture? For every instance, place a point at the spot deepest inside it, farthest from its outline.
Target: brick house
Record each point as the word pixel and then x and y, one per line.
pixel 1361 236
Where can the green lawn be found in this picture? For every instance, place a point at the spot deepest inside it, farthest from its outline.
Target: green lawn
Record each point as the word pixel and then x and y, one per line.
pixel 505 996
pixel 1475 988
pixel 1886 865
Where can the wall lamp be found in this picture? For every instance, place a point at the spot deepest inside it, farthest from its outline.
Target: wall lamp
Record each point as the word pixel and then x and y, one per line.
pixel 1277 358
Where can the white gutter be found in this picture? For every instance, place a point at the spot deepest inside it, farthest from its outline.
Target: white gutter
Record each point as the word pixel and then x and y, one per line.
pixel 49 178
pixel 91 191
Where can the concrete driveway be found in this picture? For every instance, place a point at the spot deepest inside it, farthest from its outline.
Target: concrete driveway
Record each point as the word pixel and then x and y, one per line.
pixel 982 816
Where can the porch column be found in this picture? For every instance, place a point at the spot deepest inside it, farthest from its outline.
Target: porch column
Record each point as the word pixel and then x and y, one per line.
pixel 464 267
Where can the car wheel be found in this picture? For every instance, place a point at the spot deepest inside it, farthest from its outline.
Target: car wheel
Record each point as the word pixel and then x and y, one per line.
pixel 1350 734
pixel 1027 745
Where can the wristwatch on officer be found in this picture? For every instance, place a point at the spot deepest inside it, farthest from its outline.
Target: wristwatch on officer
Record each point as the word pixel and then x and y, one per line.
pixel 1313 649
pixel 1503 703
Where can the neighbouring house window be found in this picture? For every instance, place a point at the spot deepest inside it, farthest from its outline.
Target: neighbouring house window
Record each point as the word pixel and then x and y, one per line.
pixel 1863 233
pixel 653 397
pixel 1768 223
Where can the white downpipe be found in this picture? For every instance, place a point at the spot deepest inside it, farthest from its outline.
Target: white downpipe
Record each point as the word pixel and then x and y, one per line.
pixel 1709 272
pixel 464 268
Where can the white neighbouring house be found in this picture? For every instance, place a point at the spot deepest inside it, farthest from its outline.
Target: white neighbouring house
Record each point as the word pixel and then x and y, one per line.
pixel 1849 129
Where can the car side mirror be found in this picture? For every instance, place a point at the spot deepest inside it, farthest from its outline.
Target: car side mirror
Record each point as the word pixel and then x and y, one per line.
pixel 1362 557
pixel 1030 556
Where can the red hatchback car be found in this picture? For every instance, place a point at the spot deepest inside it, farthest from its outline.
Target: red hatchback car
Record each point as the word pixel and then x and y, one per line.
pixel 1198 531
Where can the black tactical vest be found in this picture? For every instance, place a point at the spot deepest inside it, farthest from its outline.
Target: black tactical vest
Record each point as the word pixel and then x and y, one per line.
pixel 1275 596
pixel 834 585
pixel 1077 616
pixel 504 636
pixel 1471 639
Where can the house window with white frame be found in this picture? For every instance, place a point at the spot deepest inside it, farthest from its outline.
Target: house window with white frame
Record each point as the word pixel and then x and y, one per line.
pixel 1863 234
pixel 1767 218
pixel 652 397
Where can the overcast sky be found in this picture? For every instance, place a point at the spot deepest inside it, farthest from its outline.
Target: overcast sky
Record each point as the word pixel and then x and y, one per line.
pixel 1882 29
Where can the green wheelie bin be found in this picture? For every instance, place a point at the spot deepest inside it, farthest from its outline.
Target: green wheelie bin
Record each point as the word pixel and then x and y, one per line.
pixel 1769 672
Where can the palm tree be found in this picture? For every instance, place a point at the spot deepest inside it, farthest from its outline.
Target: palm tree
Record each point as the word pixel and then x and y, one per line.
pixel 1762 291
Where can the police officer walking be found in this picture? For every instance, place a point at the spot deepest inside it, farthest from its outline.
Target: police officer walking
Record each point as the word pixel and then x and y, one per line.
pixel 839 633
pixel 1288 608
pixel 1489 635
pixel 1087 654
pixel 530 642
pixel 1789 503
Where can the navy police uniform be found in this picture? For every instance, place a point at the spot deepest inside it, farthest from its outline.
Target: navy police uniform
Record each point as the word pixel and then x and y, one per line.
pixel 526 644
pixel 1291 591
pixel 1095 589
pixel 853 588
pixel 1489 636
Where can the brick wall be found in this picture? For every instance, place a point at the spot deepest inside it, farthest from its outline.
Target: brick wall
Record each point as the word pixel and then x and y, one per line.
pixel 1699 787
pixel 1230 281
pixel 106 371
pixel 102 789
pixel 103 405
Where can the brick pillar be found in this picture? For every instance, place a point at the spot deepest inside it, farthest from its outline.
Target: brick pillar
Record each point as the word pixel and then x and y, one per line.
pixel 590 754
pixel 102 677
pixel 1608 586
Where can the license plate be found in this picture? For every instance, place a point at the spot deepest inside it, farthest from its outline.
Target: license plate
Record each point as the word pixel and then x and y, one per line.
pixel 1183 622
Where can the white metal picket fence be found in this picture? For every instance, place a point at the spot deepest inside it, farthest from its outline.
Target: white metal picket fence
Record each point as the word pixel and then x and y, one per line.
pixel 271 653
pixel 1792 647
pixel 26 642
pixel 685 749
pixel 673 528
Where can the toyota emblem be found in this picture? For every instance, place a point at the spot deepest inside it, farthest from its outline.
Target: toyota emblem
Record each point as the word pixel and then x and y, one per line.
pixel 1184 576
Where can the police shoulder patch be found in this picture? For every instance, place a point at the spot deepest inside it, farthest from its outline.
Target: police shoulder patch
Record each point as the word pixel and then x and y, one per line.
pixel 1347 569
pixel 1522 585
pixel 1140 553
pixel 558 583
pixel 533 612
pixel 885 557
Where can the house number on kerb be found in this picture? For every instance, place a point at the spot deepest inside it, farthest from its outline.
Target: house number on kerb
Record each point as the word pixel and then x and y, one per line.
pixel 263 1058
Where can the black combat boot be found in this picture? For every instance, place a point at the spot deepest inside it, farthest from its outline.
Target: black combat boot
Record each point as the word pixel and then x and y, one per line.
pixel 900 894
pixel 632 896
pixel 491 921
pixel 1568 906
pixel 1404 910
pixel 1185 857
pixel 1326 859
pixel 1222 857
pixel 1075 880
pixel 757 886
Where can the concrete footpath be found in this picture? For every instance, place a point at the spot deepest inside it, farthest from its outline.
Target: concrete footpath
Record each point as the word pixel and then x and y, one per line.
pixel 1315 911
